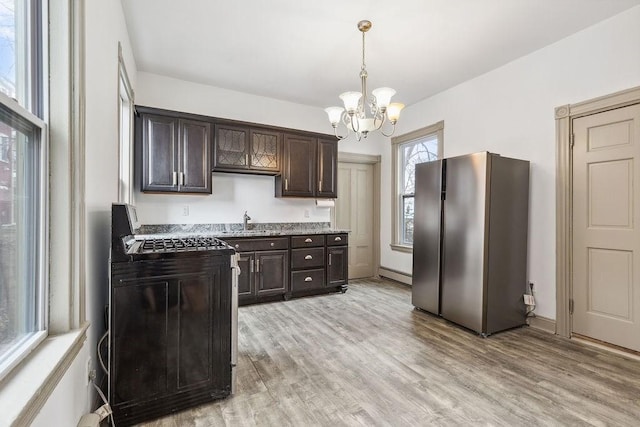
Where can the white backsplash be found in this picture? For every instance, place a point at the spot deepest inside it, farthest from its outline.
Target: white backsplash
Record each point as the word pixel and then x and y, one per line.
pixel 233 194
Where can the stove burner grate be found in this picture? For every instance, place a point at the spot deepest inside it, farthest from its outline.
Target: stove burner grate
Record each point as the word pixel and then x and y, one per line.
pixel 181 244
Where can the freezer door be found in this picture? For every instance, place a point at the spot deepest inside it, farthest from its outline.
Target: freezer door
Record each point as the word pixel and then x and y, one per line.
pixel 507 255
pixel 425 290
pixel 463 266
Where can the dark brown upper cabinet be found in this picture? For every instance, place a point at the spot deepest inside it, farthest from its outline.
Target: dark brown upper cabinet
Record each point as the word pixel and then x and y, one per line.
pixel 175 153
pixel 327 168
pixel 309 167
pixel 298 167
pixel 246 149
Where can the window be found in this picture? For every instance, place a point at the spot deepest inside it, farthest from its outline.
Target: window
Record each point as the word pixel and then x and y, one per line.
pixel 23 183
pixel 420 146
pixel 125 107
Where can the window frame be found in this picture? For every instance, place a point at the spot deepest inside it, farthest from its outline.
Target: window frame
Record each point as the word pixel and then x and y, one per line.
pixel 30 106
pixel 125 168
pixel 397 196
pixel 26 389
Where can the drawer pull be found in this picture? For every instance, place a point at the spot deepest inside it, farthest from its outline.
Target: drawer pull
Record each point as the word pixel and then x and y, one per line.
pixel 308 279
pixel 308 240
pixel 337 239
pixel 308 257
pixel 329 259
pixel 272 244
pixel 237 246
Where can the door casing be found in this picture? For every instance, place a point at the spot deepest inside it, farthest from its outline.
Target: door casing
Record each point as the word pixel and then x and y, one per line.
pixel 564 116
pixel 374 160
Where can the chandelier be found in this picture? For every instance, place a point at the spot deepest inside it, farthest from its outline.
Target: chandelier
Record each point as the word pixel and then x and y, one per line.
pixel 362 114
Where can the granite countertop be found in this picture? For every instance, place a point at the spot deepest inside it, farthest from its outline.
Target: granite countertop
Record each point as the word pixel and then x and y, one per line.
pixel 223 231
pixel 256 233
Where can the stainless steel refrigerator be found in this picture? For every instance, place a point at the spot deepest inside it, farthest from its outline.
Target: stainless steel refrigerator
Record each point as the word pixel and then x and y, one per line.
pixel 470 240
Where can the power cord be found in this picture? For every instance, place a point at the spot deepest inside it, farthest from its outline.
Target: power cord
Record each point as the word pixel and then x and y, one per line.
pixel 94 418
pixel 530 303
pixel 105 410
pixel 104 368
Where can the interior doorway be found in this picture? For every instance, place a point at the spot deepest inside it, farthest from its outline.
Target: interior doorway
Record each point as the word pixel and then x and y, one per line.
pixel 606 226
pixel 357 209
pixel 598 219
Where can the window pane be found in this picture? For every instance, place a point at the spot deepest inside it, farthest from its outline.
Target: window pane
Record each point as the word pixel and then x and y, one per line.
pixel 8 47
pixel 20 193
pixel 21 53
pixel 407 220
pixel 420 151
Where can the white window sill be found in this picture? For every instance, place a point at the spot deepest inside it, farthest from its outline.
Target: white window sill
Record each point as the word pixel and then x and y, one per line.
pixel 25 390
pixel 401 248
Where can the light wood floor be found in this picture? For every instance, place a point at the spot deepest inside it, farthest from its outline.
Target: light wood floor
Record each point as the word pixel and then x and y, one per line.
pixel 368 358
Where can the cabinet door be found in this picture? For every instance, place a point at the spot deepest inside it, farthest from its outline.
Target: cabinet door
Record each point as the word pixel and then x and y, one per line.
pixel 140 320
pixel 299 166
pixel 195 172
pixel 265 150
pixel 160 153
pixel 191 328
pixel 246 282
pixel 327 168
pixel 272 268
pixel 337 264
pixel 231 149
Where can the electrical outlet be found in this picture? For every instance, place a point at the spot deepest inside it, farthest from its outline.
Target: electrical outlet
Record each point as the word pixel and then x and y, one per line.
pixel 91 373
pixel 185 210
pixel 529 300
pixel 307 213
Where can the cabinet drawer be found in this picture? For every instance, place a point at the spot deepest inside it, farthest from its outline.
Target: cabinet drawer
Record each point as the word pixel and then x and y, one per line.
pixel 307 241
pixel 338 239
pixel 258 244
pixel 307 280
pixel 307 258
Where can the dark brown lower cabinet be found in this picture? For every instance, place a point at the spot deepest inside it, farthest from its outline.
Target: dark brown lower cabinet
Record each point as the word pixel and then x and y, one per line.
pixel 170 336
pixel 337 265
pixel 269 270
pixel 262 274
pixel 264 268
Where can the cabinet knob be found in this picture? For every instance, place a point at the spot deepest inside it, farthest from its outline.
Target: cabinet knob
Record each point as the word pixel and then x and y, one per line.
pixel 272 244
pixel 308 240
pixel 237 246
pixel 308 257
pixel 308 279
pixel 337 239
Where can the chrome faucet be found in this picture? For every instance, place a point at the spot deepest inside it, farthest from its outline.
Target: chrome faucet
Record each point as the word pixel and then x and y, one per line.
pixel 246 219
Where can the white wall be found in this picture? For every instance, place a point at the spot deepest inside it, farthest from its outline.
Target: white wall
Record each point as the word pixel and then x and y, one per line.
pixel 105 27
pixel 70 399
pixel 510 111
pixel 232 193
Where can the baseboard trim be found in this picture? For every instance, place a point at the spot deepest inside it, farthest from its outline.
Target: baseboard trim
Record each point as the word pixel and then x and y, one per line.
pixel 396 275
pixel 543 323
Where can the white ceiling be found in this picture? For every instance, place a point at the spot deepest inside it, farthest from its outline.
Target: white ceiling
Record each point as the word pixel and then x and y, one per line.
pixel 310 51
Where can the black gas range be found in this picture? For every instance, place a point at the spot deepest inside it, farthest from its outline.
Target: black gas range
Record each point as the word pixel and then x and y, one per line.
pixel 172 320
pixel 126 245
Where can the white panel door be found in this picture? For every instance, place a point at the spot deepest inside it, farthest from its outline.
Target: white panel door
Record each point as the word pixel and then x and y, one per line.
pixel 606 227
pixel 354 211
